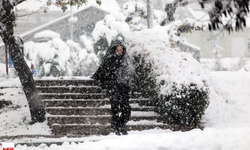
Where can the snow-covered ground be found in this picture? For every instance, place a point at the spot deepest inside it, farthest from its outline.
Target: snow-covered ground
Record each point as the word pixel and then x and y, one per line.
pixel 227 122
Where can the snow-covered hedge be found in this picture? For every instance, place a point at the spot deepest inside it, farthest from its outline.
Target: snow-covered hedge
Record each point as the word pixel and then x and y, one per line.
pixel 173 78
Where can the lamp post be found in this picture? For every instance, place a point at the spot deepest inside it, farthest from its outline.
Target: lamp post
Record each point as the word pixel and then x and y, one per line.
pixel 72 20
pixel 150 13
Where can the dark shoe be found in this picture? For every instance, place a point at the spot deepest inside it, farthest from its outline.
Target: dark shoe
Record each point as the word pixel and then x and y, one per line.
pixel 123 129
pixel 117 132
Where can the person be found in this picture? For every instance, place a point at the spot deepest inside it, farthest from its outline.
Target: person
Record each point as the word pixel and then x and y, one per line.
pixel 117 75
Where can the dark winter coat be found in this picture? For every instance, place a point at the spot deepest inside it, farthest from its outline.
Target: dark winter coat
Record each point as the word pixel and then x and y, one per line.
pixel 116 73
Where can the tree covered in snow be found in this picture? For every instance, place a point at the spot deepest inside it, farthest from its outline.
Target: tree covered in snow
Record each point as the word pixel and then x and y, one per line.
pixel 49 58
pixel 113 26
pixel 56 58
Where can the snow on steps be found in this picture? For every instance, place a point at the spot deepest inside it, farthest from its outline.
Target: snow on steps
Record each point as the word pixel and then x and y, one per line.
pixel 77 107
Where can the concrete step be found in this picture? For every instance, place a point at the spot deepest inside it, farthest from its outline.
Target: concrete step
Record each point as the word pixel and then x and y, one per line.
pixel 82 129
pixel 79 95
pixel 104 119
pixel 92 102
pixel 72 95
pixel 87 82
pixel 77 107
pixel 88 110
pixel 69 89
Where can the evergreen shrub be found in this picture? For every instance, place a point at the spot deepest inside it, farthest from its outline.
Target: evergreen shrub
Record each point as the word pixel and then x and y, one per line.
pixel 100 47
pixel 184 106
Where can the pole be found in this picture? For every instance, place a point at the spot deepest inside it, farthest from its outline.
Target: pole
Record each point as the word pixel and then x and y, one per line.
pixel 7 63
pixel 71 25
pixel 150 13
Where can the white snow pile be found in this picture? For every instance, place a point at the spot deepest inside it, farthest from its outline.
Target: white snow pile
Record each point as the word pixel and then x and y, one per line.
pixel 47 33
pixel 229 100
pixel 168 64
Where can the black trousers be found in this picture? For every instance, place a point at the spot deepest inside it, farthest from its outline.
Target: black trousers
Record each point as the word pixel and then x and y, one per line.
pixel 119 102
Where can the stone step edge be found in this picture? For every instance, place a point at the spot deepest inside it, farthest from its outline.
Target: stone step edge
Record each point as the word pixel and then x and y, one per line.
pixel 101 107
pixel 70 94
pixel 69 86
pixel 104 99
pixel 131 122
pixel 95 116
pixel 63 80
pixel 133 113
pixel 106 125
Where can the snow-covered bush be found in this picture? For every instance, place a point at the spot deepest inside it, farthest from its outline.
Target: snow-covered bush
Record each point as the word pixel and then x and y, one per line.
pixel 57 58
pixel 83 62
pixel 173 78
pixel 49 58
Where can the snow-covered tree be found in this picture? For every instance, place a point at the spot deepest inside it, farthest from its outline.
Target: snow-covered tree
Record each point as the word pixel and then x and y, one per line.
pixel 58 58
pixel 49 58
pixel 113 26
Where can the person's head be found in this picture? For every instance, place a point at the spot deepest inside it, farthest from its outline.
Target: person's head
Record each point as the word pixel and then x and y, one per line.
pixel 119 50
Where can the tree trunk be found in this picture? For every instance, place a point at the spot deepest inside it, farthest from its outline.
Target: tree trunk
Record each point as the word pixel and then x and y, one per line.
pixel 6 31
pixel 25 75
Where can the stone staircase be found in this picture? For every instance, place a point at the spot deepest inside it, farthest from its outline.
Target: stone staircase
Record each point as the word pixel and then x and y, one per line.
pixel 78 107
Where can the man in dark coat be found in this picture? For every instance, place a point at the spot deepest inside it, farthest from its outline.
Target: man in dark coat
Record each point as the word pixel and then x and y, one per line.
pixel 117 74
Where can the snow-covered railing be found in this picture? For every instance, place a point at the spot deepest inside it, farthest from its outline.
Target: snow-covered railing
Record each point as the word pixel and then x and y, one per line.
pixel 187 47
